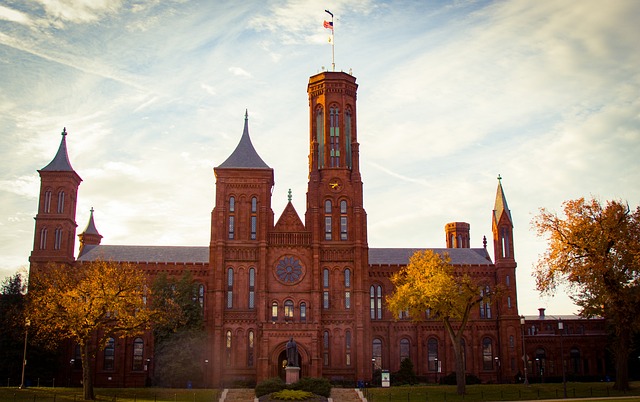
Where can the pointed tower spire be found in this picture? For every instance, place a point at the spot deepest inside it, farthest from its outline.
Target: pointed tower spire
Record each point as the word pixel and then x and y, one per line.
pixel 60 162
pixel 89 236
pixel 501 203
pixel 502 226
pixel 245 155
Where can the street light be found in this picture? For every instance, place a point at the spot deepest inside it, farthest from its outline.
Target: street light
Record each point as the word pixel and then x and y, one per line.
pixel 564 376
pixel 373 370
pixel 497 359
pixel 24 354
pixel 524 352
pixel 435 360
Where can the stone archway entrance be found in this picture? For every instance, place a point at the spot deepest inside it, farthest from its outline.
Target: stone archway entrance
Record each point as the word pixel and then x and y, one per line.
pixel 282 358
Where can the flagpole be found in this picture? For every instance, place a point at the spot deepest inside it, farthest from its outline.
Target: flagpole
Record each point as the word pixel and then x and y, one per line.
pixel 333 42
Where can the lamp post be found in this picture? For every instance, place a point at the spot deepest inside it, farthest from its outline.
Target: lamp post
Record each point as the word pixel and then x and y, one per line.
pixel 24 354
pixel 435 360
pixel 206 373
pixel 497 359
pixel 524 352
pixel 373 370
pixel 564 376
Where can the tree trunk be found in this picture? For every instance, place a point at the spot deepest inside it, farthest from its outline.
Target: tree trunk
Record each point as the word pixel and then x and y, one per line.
pixel 87 378
pixel 622 357
pixel 461 378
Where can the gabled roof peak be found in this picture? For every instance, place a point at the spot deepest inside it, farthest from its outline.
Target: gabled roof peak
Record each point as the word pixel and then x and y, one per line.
pixel 245 155
pixel 60 162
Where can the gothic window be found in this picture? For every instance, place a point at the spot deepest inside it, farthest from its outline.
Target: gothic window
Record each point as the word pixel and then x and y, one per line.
pixel 61 202
pixel 47 202
pixel 325 348
pixel 509 301
pixel 348 135
pixel 325 285
pixel 288 309
pixel 347 346
pixel 375 302
pixel 485 305
pixel 303 312
pixel 252 288
pixel 504 240
pixel 508 280
pixel 487 354
pixel 43 238
pixel 343 220
pixel 58 239
pixel 432 354
pixel 512 342
pixel 274 311
pixel 228 349
pixel 230 288
pixel 376 353
pixel 320 136
pixel 250 347
pixel 327 220
pixel 347 285
pixel 138 353
pixel 334 136
pixel 574 365
pixel 201 296
pixel 405 349
pixel 109 354
pixel 254 217
pixel 232 210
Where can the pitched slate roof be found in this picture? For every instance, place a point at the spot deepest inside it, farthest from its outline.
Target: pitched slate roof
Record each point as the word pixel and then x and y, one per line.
pixel 245 155
pixel 60 162
pixel 152 254
pixel 200 254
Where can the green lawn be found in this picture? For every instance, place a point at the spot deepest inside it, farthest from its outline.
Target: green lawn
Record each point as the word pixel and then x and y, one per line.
pixel 502 392
pixel 41 394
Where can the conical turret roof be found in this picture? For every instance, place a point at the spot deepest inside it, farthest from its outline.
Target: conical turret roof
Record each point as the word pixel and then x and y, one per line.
pixel 245 155
pixel 91 226
pixel 60 162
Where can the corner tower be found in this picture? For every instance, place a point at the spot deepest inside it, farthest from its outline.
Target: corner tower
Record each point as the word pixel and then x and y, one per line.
pixel 55 231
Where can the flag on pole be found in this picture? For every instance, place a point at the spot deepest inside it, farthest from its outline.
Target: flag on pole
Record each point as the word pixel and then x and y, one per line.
pixel 328 24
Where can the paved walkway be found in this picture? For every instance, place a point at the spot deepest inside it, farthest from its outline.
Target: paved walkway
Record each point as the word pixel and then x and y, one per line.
pixel 248 395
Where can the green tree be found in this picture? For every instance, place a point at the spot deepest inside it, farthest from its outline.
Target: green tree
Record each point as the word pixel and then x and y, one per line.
pixel 12 326
pixel 430 282
pixel 595 250
pixel 103 299
pixel 180 341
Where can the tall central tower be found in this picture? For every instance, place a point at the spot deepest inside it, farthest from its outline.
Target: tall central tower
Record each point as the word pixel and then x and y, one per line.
pixel 337 221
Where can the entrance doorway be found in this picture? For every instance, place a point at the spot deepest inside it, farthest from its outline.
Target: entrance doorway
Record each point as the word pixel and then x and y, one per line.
pixel 282 363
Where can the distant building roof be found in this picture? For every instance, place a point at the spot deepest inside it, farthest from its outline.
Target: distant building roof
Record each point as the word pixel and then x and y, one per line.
pixel 200 254
pixel 60 162
pixel 245 155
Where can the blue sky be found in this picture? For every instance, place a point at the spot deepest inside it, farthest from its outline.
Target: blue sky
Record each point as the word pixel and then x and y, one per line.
pixel 153 95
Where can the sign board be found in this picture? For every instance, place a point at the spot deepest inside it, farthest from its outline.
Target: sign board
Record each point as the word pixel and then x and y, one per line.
pixel 386 379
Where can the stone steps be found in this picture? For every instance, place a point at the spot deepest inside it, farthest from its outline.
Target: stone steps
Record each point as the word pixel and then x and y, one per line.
pixel 238 395
pixel 345 395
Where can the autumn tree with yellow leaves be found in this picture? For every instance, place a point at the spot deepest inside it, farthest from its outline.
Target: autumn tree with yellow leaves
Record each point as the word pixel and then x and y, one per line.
pixel 87 301
pixel 430 282
pixel 595 250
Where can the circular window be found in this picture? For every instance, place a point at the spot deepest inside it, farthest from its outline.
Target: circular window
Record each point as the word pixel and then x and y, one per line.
pixel 289 270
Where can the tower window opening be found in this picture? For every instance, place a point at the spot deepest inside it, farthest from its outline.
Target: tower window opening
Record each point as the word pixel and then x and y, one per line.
pixel 61 202
pixel 334 136
pixel 327 220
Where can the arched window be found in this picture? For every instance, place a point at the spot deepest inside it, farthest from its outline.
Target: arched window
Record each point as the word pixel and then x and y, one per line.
pixel 347 346
pixel 405 349
pixel 512 342
pixel 288 310
pixel 47 202
pixel 432 354
pixel 320 136
pixel 43 238
pixel 228 349
pixel 375 302
pixel 541 361
pixel 232 218
pixel 325 285
pixel 303 312
pixel 230 288
pixel 254 217
pixel 327 220
pixel 334 136
pixel 201 296
pixel 109 354
pixel 138 354
pixel 487 354
pixel 574 356
pixel 274 311
pixel 58 239
pixel 347 286
pixel 250 349
pixel 343 220
pixel 252 288
pixel 508 301
pixel 61 202
pixel 376 354
pixel 485 304
pixel 325 348
pixel 348 135
pixel 508 280
pixel 504 240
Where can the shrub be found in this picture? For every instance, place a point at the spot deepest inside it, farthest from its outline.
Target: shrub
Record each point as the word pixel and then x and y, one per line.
pixel 270 385
pixel 318 386
pixel 450 379
pixel 291 395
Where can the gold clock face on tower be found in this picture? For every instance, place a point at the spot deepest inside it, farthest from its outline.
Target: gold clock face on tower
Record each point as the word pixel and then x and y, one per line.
pixel 335 185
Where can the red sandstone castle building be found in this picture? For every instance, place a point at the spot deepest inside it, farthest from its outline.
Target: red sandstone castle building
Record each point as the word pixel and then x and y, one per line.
pixel 263 280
